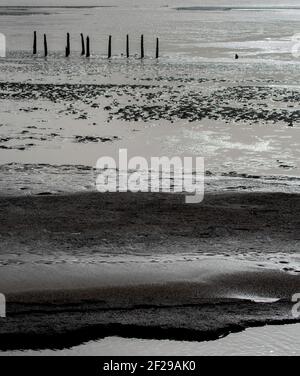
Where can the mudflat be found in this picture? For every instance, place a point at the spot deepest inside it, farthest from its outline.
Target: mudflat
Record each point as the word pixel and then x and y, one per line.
pixel 191 272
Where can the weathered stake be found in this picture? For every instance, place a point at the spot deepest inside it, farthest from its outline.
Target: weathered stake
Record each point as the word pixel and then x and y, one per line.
pixel 88 52
pixel 82 45
pixel 45 46
pixel 109 47
pixel 34 43
pixel 142 47
pixel 157 48
pixel 68 48
pixel 127 46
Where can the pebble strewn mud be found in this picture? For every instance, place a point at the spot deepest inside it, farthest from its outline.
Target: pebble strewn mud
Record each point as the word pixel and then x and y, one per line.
pixel 251 104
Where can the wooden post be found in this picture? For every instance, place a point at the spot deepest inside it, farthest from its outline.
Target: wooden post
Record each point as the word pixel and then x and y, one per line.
pixel 157 48
pixel 82 45
pixel 109 47
pixel 142 47
pixel 127 46
pixel 34 43
pixel 68 48
pixel 88 52
pixel 45 46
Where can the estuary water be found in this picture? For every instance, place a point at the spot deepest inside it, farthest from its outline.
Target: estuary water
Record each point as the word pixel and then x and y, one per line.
pixel 189 30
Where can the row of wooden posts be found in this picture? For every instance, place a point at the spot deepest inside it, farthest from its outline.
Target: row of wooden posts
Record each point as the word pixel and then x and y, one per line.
pixel 86 49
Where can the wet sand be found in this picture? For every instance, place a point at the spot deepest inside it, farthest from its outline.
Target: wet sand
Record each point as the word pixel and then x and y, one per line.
pixel 67 283
pixel 267 341
pixel 245 126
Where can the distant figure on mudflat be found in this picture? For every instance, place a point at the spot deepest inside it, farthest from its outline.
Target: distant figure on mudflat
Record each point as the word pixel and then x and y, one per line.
pixel 236 57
